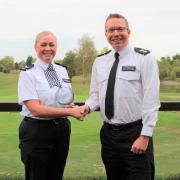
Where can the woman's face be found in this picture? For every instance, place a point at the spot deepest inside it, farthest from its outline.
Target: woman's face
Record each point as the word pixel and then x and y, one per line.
pixel 46 47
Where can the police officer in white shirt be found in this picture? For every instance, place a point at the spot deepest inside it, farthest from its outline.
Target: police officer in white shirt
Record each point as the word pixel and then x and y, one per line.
pixel 46 97
pixel 125 86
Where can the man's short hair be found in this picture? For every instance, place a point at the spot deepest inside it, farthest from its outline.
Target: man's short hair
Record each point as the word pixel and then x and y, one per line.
pixel 116 15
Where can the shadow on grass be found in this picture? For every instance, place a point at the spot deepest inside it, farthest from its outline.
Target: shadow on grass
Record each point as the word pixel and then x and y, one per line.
pixel 176 177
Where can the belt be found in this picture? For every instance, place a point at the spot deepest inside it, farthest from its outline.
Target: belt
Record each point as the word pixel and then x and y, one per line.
pixel 56 121
pixel 123 126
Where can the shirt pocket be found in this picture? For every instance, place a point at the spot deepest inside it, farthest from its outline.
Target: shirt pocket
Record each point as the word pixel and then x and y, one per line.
pixel 129 75
pixel 102 80
pixel 128 83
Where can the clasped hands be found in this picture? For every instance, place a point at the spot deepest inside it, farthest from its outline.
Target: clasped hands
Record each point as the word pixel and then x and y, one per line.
pixel 78 112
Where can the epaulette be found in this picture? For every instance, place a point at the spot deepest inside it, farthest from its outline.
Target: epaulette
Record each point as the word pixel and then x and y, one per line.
pixel 141 51
pixel 104 53
pixel 61 65
pixel 27 67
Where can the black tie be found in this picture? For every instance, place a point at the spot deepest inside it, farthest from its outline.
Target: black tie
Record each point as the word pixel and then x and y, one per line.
pixel 109 100
pixel 52 76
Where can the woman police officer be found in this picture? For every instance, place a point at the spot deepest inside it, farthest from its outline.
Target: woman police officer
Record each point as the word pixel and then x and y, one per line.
pixel 45 94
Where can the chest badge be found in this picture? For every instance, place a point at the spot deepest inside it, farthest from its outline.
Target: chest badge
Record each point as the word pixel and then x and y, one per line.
pixel 128 68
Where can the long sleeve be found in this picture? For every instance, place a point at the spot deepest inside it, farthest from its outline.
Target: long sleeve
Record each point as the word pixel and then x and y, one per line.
pixel 93 100
pixel 151 102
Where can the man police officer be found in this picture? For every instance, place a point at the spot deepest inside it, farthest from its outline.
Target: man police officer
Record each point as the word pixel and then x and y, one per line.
pixel 125 85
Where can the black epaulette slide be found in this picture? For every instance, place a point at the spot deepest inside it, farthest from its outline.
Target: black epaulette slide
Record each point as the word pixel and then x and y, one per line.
pixel 141 51
pixel 61 65
pixel 27 67
pixel 104 53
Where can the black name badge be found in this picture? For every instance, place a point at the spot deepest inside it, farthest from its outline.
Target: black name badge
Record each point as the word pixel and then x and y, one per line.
pixel 128 68
pixel 67 80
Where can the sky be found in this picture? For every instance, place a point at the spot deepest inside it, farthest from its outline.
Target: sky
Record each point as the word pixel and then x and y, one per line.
pixel 154 24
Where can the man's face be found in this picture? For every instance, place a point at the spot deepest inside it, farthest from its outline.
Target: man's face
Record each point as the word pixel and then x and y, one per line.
pixel 117 33
pixel 46 47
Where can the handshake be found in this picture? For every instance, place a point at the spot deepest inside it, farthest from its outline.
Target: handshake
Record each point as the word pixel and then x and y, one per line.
pixel 78 112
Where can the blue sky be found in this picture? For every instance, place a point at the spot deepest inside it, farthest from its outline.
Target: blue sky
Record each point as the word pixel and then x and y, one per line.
pixel 154 24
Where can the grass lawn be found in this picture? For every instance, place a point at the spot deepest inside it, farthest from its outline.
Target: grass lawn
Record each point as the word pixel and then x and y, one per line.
pixel 84 157
pixel 8 89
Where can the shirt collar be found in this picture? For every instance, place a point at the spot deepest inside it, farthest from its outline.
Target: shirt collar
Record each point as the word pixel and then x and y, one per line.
pixel 124 51
pixel 42 64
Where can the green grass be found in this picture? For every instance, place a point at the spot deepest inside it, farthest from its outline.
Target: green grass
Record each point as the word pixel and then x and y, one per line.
pixel 167 144
pixel 89 178
pixel 84 156
pixel 170 93
pixel 8 89
pixel 84 161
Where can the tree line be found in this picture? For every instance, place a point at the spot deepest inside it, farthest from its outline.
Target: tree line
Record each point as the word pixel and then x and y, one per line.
pixel 169 67
pixel 79 61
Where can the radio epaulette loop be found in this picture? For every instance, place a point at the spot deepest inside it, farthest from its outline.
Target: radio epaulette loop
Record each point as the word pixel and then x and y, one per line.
pixel 141 51
pixel 104 53
pixel 27 67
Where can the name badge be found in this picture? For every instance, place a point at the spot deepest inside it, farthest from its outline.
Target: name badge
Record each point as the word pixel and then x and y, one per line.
pixel 128 68
pixel 67 80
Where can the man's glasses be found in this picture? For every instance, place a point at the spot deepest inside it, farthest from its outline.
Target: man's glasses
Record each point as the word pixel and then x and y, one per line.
pixel 118 29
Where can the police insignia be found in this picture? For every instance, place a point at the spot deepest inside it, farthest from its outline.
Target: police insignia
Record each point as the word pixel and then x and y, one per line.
pixel 141 51
pixel 128 68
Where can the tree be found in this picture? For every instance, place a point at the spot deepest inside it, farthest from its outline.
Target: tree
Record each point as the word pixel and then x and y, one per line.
pixel 69 61
pixel 1 66
pixel 85 56
pixel 7 64
pixel 173 75
pixel 175 58
pixel 164 68
pixel 176 67
pixel 30 60
pixel 22 64
pixel 16 66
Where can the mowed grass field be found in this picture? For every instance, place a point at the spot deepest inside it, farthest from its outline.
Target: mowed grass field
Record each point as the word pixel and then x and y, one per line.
pixel 84 158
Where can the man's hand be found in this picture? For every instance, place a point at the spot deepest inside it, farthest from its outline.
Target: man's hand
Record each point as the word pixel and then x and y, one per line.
pixel 140 144
pixel 85 110
pixel 76 112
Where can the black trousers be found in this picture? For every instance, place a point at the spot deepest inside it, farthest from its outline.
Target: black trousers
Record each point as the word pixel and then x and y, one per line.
pixel 44 146
pixel 120 163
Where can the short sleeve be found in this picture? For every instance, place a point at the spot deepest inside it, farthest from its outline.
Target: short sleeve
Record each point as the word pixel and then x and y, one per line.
pixel 26 87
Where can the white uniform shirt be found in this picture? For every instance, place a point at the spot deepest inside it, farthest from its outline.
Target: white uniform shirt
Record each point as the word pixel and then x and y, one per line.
pixel 136 92
pixel 34 85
